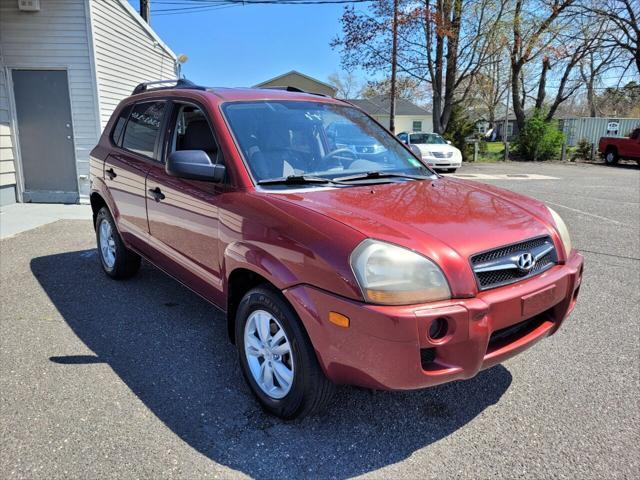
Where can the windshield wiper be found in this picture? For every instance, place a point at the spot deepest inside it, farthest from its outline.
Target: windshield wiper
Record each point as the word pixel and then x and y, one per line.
pixel 296 180
pixel 379 174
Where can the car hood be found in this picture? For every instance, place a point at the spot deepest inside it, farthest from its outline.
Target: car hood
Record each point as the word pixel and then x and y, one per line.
pixel 446 219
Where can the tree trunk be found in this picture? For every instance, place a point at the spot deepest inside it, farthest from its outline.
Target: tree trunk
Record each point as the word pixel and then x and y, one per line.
pixel 542 85
pixel 452 63
pixel 518 109
pixel 394 66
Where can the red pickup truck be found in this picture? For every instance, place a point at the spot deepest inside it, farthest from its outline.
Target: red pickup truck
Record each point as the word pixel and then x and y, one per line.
pixel 613 149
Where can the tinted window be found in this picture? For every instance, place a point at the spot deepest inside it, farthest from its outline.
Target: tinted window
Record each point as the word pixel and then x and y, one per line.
pixel 143 127
pixel 116 133
pixel 433 138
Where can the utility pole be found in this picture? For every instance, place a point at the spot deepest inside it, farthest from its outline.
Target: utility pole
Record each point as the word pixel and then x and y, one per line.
pixel 505 131
pixel 145 10
pixel 394 61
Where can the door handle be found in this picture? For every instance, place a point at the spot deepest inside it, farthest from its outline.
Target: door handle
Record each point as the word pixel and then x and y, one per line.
pixel 157 194
pixel 111 173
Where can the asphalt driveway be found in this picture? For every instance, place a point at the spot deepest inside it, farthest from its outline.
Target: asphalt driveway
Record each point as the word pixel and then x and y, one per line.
pixel 136 379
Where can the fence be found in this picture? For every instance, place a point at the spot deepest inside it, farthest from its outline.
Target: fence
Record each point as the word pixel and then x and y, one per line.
pixel 591 129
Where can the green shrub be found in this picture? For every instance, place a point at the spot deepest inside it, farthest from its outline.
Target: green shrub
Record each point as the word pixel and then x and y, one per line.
pixel 482 148
pixel 583 149
pixel 539 139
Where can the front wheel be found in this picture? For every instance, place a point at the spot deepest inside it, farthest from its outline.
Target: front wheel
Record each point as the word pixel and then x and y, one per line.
pixel 277 358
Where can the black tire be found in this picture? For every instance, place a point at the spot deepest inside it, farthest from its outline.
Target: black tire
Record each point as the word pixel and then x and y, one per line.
pixel 451 170
pixel 611 156
pixel 310 389
pixel 127 262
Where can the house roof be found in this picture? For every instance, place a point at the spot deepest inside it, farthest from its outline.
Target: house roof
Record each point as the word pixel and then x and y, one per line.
pixel 294 72
pixel 147 28
pixel 380 105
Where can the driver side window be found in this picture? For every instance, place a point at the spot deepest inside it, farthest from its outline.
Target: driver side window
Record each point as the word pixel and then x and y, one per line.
pixel 193 132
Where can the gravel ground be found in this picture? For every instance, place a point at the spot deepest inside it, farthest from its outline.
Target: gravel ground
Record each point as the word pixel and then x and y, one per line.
pixel 137 380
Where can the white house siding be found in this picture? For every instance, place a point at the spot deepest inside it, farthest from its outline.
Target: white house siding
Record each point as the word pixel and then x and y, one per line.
pixel 404 123
pixel 56 37
pixel 126 53
pixel 7 152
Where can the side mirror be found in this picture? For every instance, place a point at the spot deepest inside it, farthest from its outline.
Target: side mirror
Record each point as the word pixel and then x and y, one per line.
pixel 194 165
pixel 448 142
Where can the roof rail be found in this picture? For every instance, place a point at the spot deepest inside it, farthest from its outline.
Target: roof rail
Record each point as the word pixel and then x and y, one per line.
pixel 289 88
pixel 179 83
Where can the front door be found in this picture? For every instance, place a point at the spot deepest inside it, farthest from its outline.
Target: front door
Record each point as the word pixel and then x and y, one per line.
pixel 183 214
pixel 45 136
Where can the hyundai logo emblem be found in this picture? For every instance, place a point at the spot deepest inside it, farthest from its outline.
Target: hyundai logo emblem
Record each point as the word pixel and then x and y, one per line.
pixel 525 262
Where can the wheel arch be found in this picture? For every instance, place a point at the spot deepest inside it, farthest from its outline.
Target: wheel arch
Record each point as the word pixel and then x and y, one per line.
pixel 97 202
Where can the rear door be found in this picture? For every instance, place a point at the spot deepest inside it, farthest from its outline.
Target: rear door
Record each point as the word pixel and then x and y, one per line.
pixel 125 169
pixel 183 214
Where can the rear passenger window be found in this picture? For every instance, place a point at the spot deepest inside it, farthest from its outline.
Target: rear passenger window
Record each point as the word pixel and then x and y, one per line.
pixel 116 133
pixel 143 128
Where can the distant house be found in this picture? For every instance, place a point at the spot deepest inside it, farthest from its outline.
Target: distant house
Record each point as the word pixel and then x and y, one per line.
pixel 64 66
pixel 299 80
pixel 512 129
pixel 409 116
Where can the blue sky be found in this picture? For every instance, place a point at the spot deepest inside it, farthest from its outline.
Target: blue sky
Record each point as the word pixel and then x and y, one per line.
pixel 244 45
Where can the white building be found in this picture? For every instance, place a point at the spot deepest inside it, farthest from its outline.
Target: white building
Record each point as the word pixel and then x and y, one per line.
pixel 409 116
pixel 64 66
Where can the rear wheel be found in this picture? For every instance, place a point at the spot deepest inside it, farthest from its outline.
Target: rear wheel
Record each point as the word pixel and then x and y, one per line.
pixel 277 358
pixel 117 260
pixel 611 156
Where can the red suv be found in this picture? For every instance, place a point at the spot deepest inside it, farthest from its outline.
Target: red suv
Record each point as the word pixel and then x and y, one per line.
pixel 332 266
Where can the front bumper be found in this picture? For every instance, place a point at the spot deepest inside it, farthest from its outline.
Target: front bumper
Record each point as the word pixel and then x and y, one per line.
pixel 442 162
pixel 387 347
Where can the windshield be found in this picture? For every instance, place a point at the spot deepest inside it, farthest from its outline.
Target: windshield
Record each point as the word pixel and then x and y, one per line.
pixel 417 138
pixel 293 138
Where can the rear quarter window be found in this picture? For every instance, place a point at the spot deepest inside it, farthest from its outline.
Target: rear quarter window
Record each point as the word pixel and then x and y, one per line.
pixel 118 128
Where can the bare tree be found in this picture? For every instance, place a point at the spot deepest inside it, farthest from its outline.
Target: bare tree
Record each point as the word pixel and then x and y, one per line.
pixel 346 84
pixel 625 31
pixel 406 87
pixel 443 43
pixel 490 88
pixel 536 25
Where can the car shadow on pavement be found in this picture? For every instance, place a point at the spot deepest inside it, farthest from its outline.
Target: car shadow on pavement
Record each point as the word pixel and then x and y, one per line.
pixel 170 348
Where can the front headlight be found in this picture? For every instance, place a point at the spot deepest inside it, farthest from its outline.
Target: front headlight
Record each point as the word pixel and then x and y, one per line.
pixel 392 275
pixel 562 231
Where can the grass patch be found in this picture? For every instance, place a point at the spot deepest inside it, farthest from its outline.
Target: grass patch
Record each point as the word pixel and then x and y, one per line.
pixel 490 152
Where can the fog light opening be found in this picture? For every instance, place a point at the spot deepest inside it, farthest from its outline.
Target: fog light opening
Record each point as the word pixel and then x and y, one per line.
pixel 438 329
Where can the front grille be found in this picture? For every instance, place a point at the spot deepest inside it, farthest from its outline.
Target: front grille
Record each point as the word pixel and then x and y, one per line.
pixel 442 154
pixel 499 267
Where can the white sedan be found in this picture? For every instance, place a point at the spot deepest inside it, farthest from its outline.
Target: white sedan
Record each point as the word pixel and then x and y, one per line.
pixel 434 150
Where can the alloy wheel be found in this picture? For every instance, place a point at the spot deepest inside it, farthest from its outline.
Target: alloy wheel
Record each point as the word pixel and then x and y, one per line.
pixel 268 353
pixel 107 244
